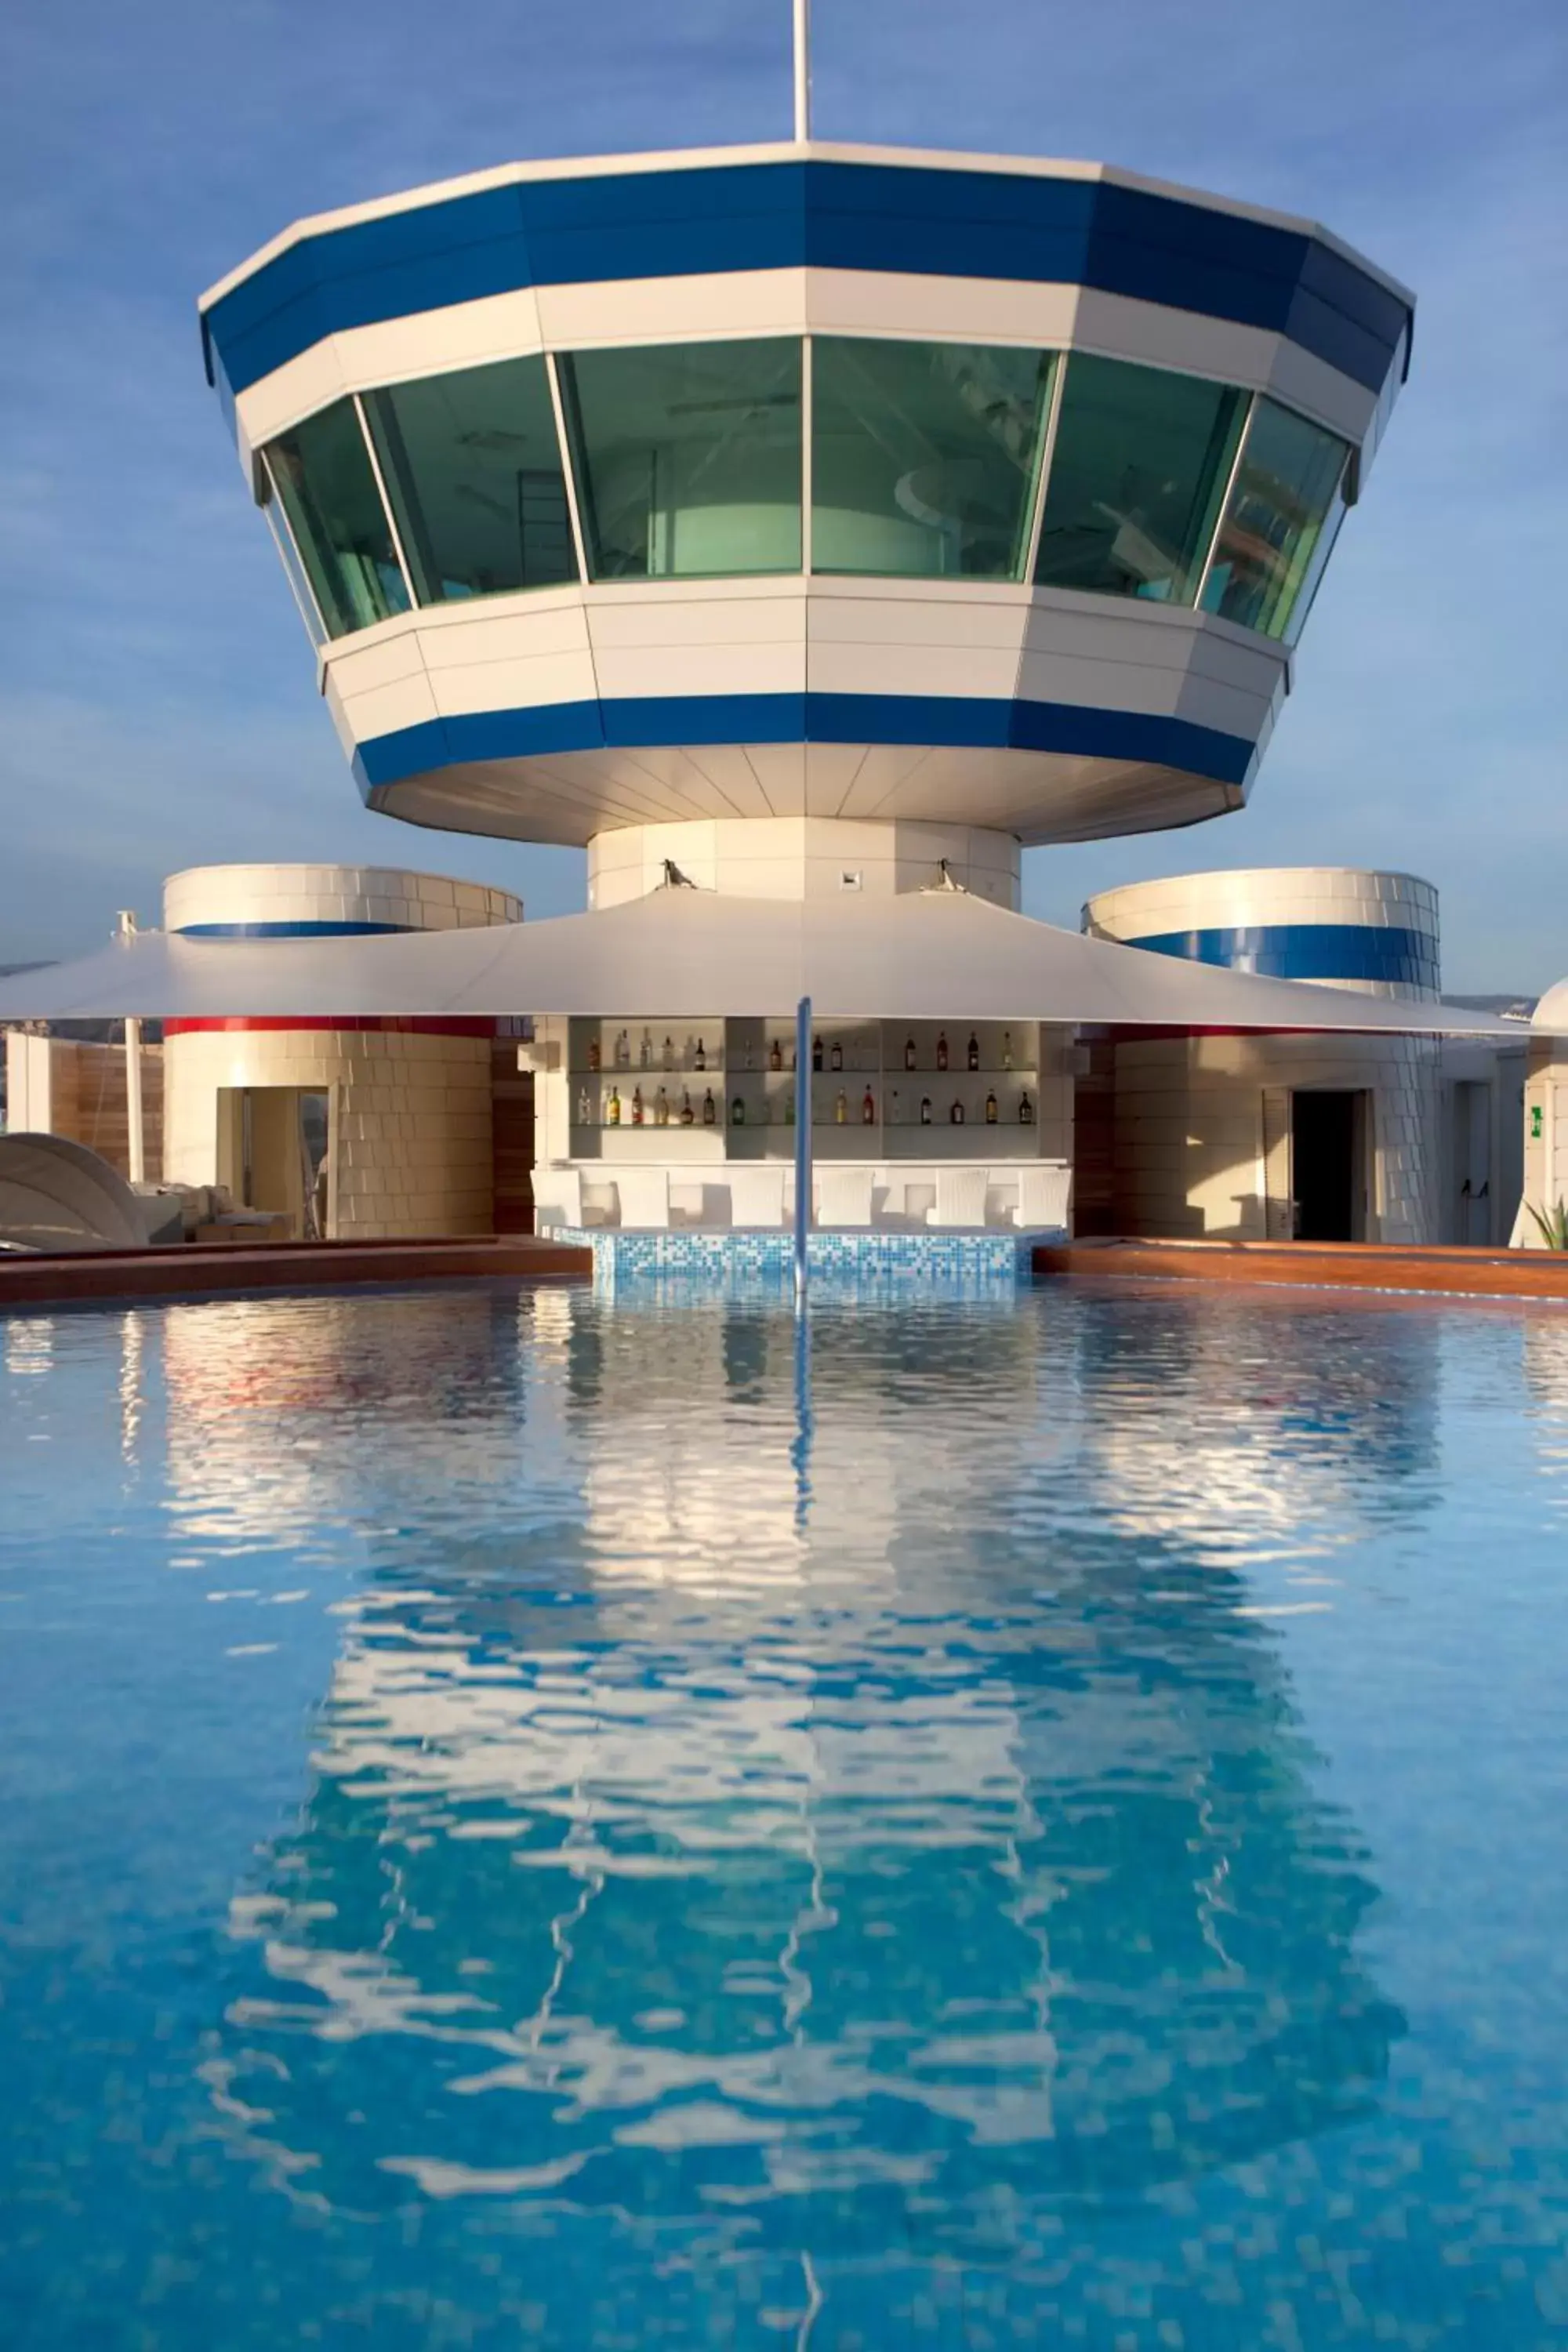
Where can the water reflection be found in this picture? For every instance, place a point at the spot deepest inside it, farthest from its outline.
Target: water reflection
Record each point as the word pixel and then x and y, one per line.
pixel 893 1871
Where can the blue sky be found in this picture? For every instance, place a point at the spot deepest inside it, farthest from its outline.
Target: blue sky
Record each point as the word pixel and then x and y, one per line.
pixel 156 702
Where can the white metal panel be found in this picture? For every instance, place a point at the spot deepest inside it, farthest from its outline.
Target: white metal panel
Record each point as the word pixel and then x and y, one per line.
pixel 355 667
pixel 693 308
pixel 383 710
pixel 954 623
pixel 512 628
pixel 631 671
pixel 698 622
pixel 531 683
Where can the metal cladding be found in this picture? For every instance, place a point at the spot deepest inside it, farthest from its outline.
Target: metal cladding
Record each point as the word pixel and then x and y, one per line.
pixel 805 481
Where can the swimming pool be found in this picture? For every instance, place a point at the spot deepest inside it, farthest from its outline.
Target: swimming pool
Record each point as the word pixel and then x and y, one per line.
pixel 532 1818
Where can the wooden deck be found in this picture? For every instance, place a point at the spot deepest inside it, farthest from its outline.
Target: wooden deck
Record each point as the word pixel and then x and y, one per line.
pixel 187 1270
pixel 1357 1266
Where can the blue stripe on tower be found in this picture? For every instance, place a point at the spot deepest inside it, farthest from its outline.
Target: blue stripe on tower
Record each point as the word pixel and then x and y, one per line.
pixel 327 931
pixel 690 221
pixel 955 721
pixel 1398 957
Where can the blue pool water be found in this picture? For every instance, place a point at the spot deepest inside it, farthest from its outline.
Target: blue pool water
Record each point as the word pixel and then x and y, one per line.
pixel 535 1819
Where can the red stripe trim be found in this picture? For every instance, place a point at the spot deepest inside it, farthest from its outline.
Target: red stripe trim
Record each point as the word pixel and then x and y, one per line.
pixel 403 1024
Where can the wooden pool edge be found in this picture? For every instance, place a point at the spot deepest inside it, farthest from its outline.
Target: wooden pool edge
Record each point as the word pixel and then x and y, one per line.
pixel 1356 1265
pixel 191 1270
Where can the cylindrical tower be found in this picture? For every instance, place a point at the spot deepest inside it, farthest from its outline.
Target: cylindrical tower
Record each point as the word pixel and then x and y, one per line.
pixel 1349 926
pixel 363 1128
pixel 1278 1135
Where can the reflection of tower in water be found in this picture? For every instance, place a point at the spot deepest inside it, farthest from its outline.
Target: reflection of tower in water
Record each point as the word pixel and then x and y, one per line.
pixel 931 1862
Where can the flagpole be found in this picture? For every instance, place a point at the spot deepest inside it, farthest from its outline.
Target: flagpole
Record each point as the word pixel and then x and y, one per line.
pixel 802 72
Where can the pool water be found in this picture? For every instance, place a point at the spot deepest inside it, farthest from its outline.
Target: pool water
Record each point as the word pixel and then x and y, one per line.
pixel 1037 1820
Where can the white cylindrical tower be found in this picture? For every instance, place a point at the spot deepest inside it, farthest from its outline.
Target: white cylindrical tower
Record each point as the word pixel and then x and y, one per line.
pixel 356 1128
pixel 1280 1135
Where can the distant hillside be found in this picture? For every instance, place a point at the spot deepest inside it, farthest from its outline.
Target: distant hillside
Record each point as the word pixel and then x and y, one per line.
pixel 1522 1005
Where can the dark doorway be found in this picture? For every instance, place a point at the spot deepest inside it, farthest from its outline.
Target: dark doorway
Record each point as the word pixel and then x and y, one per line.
pixel 1326 1135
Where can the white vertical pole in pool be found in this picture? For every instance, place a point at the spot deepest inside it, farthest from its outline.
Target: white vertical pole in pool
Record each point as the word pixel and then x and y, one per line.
pixel 135 1148
pixel 802 70
pixel 802 1142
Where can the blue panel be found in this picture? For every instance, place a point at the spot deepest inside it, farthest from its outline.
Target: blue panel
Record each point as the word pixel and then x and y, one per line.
pixel 287 930
pixel 693 220
pixel 1402 959
pixel 950 720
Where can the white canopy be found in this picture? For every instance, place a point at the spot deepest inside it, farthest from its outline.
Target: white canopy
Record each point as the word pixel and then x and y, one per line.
pixel 938 955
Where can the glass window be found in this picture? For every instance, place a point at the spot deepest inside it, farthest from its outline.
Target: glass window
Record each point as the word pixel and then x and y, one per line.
pixel 924 457
pixel 1140 466
pixel 1281 523
pixel 687 457
pixel 321 472
pixel 472 466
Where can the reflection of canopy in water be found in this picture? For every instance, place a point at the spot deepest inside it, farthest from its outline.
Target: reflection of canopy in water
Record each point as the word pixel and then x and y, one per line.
pixel 1053 1904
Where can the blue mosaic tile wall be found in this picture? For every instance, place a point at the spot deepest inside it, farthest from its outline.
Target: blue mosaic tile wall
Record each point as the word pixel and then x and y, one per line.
pixel 987 1257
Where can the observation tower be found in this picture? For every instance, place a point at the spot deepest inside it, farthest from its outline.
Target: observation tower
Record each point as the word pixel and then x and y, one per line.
pixel 805 486
pixel 818 526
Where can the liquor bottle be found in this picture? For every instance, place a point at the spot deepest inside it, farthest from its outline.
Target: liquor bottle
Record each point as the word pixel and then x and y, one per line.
pixel 955 1116
pixel 669 1055
pixel 1026 1109
pixel 893 1107
pixel 835 1059
pixel 644 1053
pixel 737 1112
pixel 687 1113
pixel 817 1053
pixel 841 1110
pixel 622 1051
pixel 583 1109
pixel 990 1111
pixel 701 1062
pixel 868 1110
pixel 594 1053
pixel 775 1055
pixel 637 1106
pixel 612 1113
pixel 974 1051
pixel 789 1110
pixel 710 1109
pixel 909 1053
pixel 661 1108
pixel 942 1049
pixel 925 1110
pixel 1007 1049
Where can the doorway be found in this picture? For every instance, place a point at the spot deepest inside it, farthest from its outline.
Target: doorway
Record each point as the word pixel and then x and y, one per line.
pixel 1471 1208
pixel 1328 1164
pixel 273 1153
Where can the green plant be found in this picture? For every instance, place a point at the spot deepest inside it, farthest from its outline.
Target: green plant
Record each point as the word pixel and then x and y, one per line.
pixel 1552 1224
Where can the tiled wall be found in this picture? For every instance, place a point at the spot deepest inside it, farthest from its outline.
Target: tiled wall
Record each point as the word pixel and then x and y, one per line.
pixel 803 858
pixel 411 1137
pixel 717 1257
pixel 318 895
pixel 411 1124
pixel 1286 902
pixel 1188 1133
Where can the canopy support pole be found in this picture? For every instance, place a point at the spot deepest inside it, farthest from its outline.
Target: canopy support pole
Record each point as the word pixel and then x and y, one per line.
pixel 135 1139
pixel 802 1143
